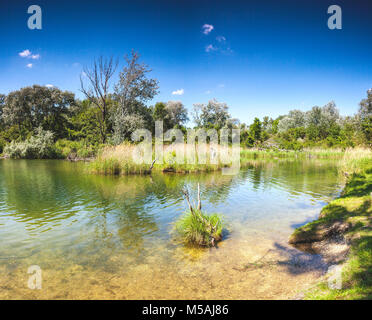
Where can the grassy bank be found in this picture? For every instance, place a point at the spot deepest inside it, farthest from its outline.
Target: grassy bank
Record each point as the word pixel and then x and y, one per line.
pixel 118 160
pixel 348 217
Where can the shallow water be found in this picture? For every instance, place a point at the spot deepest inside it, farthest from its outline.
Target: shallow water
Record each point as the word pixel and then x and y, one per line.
pixel 102 237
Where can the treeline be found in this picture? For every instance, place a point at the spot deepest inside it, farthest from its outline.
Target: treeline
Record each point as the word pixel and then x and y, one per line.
pixel 46 122
pixel 319 126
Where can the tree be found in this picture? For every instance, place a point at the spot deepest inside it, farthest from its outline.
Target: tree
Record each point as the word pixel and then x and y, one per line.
pixel 256 129
pixel 365 106
pixel 214 114
pixel 364 117
pixel 38 106
pixel 2 105
pixel 131 93
pixel 97 90
pixel 173 114
pixel 160 113
pixel 83 123
pixel 177 113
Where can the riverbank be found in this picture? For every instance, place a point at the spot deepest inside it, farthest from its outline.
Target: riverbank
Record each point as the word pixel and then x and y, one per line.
pixel 343 236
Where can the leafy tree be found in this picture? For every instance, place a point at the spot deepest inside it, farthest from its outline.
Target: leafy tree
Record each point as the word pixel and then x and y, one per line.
pixel 2 105
pixel 38 106
pixel 160 113
pixel 177 113
pixel 214 114
pixel 256 129
pixel 365 117
pixel 84 123
pixel 131 92
pixel 173 114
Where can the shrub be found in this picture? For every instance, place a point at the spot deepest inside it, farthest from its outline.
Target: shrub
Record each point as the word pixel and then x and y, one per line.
pixel 40 146
pixel 73 149
pixel 2 145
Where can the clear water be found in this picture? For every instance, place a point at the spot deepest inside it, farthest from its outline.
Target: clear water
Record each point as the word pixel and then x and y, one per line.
pixel 103 237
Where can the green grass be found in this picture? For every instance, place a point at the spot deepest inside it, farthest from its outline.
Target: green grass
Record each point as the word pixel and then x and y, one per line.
pixel 353 207
pixel 200 229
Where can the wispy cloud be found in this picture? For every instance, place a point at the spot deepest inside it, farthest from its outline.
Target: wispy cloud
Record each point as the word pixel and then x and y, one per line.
pixel 208 92
pixel 35 56
pixel 49 85
pixel 178 92
pixel 25 53
pixel 29 65
pixel 221 39
pixel 210 48
pixel 207 28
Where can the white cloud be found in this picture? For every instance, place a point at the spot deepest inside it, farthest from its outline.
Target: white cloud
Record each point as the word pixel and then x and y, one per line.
pixel 25 53
pixel 49 85
pixel 210 48
pixel 208 92
pixel 178 92
pixel 29 65
pixel 221 39
pixel 207 28
pixel 28 54
pixel 221 85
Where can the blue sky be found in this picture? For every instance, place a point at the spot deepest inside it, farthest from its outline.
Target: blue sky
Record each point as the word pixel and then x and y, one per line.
pixel 260 57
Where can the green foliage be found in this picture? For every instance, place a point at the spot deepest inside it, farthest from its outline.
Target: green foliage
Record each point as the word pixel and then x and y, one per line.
pixel 173 114
pixel 366 126
pixel 214 114
pixel 256 129
pixel 40 146
pixel 76 149
pixel 84 124
pixel 38 106
pixel 200 229
pixel 2 145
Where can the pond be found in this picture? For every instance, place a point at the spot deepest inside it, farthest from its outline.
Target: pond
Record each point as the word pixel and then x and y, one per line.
pixel 104 237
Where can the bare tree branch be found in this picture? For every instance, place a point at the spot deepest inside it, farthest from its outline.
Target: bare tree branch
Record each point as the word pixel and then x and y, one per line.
pixel 97 89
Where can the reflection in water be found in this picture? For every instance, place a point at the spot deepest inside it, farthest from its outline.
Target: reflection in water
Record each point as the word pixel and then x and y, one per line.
pixel 111 237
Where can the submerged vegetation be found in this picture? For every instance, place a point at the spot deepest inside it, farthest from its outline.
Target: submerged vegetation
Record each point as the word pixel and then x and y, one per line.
pixel 346 219
pixel 197 228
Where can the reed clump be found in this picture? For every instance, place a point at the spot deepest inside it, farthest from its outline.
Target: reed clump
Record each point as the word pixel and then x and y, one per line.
pixel 198 228
pixel 179 158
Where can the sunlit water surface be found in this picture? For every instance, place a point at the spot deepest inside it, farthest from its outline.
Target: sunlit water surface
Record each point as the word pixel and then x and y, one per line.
pixel 102 237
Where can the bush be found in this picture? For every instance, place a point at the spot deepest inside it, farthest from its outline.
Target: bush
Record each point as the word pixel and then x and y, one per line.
pixel 73 149
pixel 40 146
pixel 2 145
pixel 198 228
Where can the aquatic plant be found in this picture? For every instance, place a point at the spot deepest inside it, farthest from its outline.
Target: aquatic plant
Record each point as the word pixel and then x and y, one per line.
pixel 198 228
